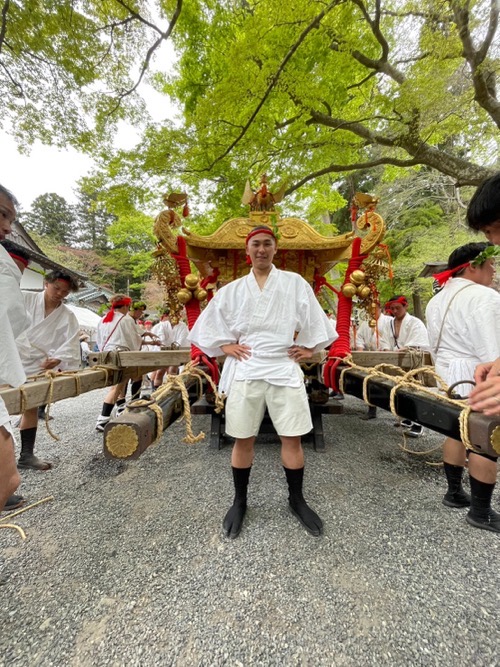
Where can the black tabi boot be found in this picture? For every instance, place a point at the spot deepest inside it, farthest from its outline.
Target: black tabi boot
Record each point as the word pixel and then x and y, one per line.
pixel 298 506
pixel 27 459
pixel 480 514
pixel 135 389
pixel 371 414
pixel 233 521
pixel 455 496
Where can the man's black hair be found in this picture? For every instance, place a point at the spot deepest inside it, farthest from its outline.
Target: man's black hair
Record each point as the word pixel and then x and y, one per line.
pixel 52 276
pixel 466 253
pixel 484 207
pixel 16 250
pixel 138 305
pixel 10 196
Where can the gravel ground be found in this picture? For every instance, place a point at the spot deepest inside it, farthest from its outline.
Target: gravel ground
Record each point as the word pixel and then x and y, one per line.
pixel 128 565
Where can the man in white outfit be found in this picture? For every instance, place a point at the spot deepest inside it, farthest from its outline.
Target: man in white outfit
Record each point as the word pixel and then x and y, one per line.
pixel 116 331
pixel 462 322
pixel 51 342
pixel 401 332
pixel 12 323
pixel 265 323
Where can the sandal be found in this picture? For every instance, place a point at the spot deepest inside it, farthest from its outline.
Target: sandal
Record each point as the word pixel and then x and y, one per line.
pixel 13 502
pixel 33 462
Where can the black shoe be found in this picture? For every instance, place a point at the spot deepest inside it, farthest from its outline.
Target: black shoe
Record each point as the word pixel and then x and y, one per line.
pixel 491 522
pixel 13 502
pixel 415 431
pixel 457 499
pixel 233 521
pixel 307 517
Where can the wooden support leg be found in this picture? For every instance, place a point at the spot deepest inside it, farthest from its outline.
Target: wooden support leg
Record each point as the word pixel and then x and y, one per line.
pixel 318 434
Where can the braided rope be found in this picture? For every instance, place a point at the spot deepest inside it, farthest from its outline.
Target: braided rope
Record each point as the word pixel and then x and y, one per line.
pixel 409 380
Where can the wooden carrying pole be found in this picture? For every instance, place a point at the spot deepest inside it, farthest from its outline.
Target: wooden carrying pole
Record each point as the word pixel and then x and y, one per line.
pixel 130 434
pixel 425 409
pixel 45 390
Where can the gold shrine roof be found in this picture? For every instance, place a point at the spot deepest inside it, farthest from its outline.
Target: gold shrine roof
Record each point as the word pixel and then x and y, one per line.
pixel 294 234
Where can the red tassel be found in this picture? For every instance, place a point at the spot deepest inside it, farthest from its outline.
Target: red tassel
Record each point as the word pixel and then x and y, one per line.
pixel 185 211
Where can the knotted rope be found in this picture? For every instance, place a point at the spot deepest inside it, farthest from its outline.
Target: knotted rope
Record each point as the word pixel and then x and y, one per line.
pixel 177 382
pixel 409 380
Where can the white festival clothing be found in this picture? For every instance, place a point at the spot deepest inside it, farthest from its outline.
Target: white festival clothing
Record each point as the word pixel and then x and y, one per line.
pixel 471 331
pixel 164 332
pixel 412 333
pixel 121 332
pixel 246 404
pixel 56 336
pixel 14 320
pixel 270 321
pixel 180 334
pixel 367 336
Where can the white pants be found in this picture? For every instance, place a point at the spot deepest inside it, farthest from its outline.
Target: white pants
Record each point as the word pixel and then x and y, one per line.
pixel 246 404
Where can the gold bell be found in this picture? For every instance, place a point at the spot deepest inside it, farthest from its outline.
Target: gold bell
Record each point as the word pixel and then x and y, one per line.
pixel 364 291
pixel 349 290
pixel 200 294
pixel 184 295
pixel 191 281
pixel 372 324
pixel 357 277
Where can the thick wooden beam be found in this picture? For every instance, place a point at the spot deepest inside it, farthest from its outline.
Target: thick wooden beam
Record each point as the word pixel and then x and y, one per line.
pixel 151 359
pixel 130 434
pixel 402 358
pixel 38 392
pixel 418 406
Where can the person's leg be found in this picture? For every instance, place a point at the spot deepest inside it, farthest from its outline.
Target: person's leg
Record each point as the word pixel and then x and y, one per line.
pixel 483 477
pixel 292 457
pixel 108 405
pixel 454 455
pixel 371 414
pixel 9 474
pixel 28 429
pixel 158 378
pixel 241 462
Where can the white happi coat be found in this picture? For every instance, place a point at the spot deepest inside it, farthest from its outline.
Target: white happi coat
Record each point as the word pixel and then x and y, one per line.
pixel 164 332
pixel 471 331
pixel 285 312
pixel 180 334
pixel 366 336
pixel 13 321
pixel 411 334
pixel 56 336
pixel 121 333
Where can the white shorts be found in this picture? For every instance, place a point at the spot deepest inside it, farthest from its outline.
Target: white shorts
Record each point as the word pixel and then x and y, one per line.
pixel 246 404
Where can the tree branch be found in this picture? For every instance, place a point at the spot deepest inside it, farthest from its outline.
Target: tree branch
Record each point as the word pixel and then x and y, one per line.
pixel 313 25
pixel 3 27
pixel 145 66
pixel 483 78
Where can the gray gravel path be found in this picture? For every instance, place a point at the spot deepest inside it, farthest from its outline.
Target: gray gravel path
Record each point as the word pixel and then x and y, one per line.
pixel 128 566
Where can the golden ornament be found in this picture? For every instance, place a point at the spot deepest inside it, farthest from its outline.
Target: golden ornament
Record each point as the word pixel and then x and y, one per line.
pixel 200 294
pixel 372 324
pixel 121 441
pixel 357 277
pixel 495 439
pixel 191 281
pixel 364 291
pixel 184 295
pixel 349 290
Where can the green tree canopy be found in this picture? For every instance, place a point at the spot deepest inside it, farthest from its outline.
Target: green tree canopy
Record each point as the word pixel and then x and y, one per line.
pixel 51 216
pixel 313 90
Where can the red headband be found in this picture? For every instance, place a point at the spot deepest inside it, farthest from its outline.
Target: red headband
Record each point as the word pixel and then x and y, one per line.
pixel 401 299
pixel 254 232
pixel 126 301
pixel 23 260
pixel 444 276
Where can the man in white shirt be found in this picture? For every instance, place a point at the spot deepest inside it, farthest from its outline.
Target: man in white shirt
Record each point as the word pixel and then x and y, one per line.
pixel 116 331
pixel 265 323
pixel 369 339
pixel 13 321
pixel 51 342
pixel 400 333
pixel 462 321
